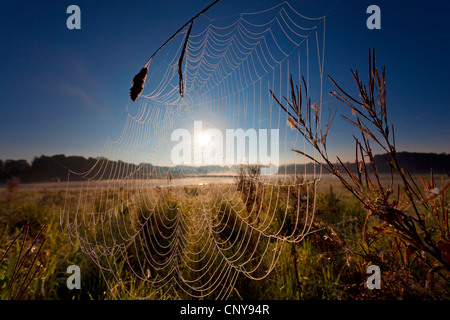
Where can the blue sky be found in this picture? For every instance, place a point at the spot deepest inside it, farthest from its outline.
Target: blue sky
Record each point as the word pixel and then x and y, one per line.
pixel 64 91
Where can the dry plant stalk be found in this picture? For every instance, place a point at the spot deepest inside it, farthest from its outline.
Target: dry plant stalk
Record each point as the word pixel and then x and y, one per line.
pixel 12 187
pixel 25 260
pixel 180 61
pixel 139 79
pixel 248 183
pixel 405 217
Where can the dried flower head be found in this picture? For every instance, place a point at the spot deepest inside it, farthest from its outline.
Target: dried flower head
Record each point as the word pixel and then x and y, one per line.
pixel 138 84
pixel 291 123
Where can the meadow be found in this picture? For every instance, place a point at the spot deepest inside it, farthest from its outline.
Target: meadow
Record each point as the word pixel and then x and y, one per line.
pixel 329 263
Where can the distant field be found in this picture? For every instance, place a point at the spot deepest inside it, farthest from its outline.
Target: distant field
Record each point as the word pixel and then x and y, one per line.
pixel 185 181
pixel 326 181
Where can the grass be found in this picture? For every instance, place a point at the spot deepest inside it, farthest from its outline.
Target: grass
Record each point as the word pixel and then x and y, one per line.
pixel 329 263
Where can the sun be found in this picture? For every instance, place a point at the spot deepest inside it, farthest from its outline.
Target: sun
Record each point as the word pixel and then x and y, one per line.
pixel 203 139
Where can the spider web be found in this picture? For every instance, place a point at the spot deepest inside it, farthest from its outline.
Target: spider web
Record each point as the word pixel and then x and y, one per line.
pixel 161 230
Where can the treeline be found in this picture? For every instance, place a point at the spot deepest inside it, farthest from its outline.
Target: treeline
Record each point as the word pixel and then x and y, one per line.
pixel 414 162
pixel 44 168
pixel 75 168
pixel 61 167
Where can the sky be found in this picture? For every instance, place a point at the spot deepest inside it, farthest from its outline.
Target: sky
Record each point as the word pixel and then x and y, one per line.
pixel 65 91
